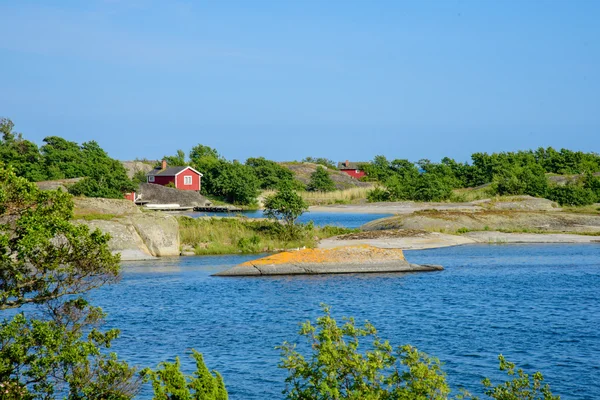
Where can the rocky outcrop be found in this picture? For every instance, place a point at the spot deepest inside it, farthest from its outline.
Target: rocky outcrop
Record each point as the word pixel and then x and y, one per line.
pixel 92 205
pixel 124 239
pixel 140 236
pixel 60 184
pixel 159 232
pixel 519 203
pixel 157 194
pixel 447 221
pixel 134 166
pixel 302 172
pixel 339 260
pixel 406 239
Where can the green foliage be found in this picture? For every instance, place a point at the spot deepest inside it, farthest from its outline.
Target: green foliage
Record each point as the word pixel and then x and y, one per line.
pixel 320 181
pixel 231 181
pixel 521 387
pixel 47 263
pixel 61 159
pixel 338 368
pixel 237 183
pixel 200 152
pixel 512 173
pixel 405 182
pixel 286 205
pixel 572 194
pixel 178 160
pixel 169 383
pixel 139 176
pixel 21 154
pixel 517 180
pixel 269 173
pixel 327 163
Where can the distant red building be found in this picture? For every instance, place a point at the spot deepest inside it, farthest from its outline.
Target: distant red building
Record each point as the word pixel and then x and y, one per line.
pixel 184 178
pixel 354 169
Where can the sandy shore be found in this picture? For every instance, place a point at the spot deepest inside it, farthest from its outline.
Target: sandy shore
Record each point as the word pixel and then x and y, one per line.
pixel 430 240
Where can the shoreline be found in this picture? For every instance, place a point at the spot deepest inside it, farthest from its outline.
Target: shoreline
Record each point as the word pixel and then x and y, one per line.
pixel 395 208
pixel 434 240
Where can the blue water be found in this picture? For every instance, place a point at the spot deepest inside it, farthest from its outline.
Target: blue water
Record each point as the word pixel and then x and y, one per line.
pixel 348 220
pixel 536 304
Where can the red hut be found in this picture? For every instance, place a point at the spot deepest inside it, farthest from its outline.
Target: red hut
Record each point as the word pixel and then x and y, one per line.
pixel 354 169
pixel 183 178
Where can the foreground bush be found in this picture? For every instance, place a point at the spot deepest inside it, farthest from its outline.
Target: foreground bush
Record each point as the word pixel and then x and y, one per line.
pixel 338 368
pixel 51 346
pixel 169 383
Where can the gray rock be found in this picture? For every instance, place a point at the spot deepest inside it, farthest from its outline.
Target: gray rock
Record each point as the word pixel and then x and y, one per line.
pixel 327 268
pixel 141 236
pixel 124 238
pixel 159 232
pixel 157 194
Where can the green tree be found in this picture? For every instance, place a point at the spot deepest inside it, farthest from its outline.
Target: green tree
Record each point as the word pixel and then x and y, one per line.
pixel 104 176
pixel 63 158
pixel 21 154
pixel 236 183
pixel 320 181
pixel 48 264
pixel 169 383
pixel 178 160
pixel 200 152
pixel 285 205
pixel 572 194
pixel 269 173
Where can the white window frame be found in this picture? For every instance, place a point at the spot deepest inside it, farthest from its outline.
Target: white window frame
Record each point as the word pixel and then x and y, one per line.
pixel 187 180
pixel 151 178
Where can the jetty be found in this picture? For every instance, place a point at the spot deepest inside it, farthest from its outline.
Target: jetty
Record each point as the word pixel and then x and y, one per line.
pixel 167 207
pixel 217 209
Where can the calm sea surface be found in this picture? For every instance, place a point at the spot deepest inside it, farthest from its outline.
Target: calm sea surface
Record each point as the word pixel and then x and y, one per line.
pixel 349 220
pixel 536 304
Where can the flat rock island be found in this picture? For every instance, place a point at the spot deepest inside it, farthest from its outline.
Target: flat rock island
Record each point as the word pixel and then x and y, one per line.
pixel 337 260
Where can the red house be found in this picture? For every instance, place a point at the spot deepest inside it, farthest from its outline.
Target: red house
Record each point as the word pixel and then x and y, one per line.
pixel 354 169
pixel 184 178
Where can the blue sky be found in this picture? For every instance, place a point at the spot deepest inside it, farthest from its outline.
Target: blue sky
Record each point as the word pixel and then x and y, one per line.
pixel 342 79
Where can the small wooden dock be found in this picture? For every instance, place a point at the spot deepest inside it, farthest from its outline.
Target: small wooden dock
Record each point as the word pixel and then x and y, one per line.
pixel 218 209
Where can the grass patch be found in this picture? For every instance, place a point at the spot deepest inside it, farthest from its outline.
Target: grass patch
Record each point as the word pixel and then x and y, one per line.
pixel 244 235
pixel 219 201
pixel 591 209
pixel 94 216
pixel 469 194
pixel 347 196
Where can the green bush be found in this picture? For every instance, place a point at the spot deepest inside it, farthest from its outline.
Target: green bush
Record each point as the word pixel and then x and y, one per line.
pixel 320 181
pixel 169 383
pixel 572 195
pixel 337 367
pixel 269 173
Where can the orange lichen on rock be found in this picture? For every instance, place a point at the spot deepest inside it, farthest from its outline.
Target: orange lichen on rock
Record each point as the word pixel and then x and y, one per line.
pixel 352 254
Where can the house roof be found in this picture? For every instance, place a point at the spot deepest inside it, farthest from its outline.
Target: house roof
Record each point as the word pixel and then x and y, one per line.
pixel 351 164
pixel 171 171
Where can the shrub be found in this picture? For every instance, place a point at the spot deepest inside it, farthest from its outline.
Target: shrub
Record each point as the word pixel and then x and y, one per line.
pixel 169 382
pixel 286 205
pixel 320 181
pixel 337 367
pixel 572 195
pixel 378 194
